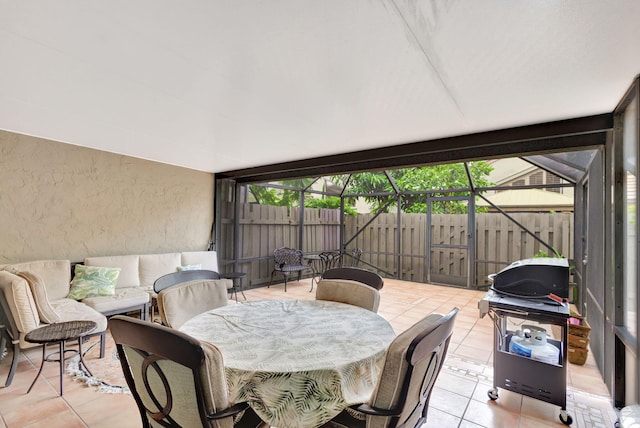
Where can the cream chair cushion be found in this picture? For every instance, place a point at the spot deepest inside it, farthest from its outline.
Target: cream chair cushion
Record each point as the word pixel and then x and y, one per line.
pixel 39 291
pixel 70 310
pixel 387 392
pixel 350 292
pixel 56 274
pixel 124 297
pixel 214 379
pixel 21 303
pixel 179 303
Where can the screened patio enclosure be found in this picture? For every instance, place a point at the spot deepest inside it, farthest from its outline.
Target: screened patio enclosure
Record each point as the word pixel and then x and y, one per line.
pixel 433 224
pixel 595 157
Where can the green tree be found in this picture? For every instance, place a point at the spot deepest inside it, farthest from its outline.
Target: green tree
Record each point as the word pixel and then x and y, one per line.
pixel 379 193
pixel 291 198
pixel 278 197
pixel 331 202
pixel 437 177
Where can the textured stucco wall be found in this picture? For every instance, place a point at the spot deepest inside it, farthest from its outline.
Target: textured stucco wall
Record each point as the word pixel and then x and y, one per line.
pixel 61 201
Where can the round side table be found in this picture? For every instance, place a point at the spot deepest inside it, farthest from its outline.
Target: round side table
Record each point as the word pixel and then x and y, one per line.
pixel 314 261
pixel 59 333
pixel 236 276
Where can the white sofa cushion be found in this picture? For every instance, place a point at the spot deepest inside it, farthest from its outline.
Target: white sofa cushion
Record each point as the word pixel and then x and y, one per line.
pixel 208 260
pixel 129 268
pixel 56 275
pixel 70 310
pixel 153 266
pixel 123 298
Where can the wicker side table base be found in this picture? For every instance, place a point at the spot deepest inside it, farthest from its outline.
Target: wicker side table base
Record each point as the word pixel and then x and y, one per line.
pixel 59 333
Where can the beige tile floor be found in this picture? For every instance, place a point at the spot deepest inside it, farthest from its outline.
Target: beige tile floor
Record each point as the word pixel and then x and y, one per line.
pixel 459 398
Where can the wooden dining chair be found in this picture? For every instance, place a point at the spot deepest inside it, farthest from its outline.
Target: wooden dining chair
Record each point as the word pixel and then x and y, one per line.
pixel 350 292
pixel 176 380
pixel 372 279
pixel 411 367
pixel 179 303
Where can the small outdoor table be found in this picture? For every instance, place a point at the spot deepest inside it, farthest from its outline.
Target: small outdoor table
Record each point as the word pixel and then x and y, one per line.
pixel 233 276
pixel 59 333
pixel 314 261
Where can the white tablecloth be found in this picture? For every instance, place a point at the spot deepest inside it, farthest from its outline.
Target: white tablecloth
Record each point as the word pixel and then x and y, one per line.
pixel 298 363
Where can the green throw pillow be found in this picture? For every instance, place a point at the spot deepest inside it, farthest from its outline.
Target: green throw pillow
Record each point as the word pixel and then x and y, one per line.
pixel 93 281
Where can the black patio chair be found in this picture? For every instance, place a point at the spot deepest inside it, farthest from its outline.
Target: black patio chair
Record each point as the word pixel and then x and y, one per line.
pixel 372 279
pixel 287 260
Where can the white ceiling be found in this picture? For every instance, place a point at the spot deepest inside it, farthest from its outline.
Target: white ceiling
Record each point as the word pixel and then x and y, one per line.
pixel 220 85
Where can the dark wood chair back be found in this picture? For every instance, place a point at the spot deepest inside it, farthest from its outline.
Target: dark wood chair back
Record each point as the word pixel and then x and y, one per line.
pixel 173 377
pixel 372 279
pixel 182 276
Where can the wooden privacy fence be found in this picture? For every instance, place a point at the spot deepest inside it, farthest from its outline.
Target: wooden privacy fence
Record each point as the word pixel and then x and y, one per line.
pixel 499 241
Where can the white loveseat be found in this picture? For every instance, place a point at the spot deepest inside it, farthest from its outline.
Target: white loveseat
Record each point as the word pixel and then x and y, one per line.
pixel 139 272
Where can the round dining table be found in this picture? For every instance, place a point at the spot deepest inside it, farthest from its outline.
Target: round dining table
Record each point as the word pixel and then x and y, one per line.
pixel 298 363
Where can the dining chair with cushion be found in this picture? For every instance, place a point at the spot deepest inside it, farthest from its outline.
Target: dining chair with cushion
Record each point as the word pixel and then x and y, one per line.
pixel 183 276
pixel 372 279
pixel 350 292
pixel 180 277
pixel 176 380
pixel 179 303
pixel 412 364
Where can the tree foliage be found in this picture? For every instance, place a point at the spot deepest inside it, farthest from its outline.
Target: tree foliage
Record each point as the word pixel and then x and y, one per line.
pixel 377 190
pixel 437 177
pixel 330 202
pixel 278 197
pixel 291 198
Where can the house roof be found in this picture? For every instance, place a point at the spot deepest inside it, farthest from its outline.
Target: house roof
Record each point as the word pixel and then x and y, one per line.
pixel 527 198
pixel 218 85
pixel 508 169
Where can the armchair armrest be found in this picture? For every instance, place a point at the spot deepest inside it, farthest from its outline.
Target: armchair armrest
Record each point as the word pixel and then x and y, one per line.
pixel 367 409
pixel 229 411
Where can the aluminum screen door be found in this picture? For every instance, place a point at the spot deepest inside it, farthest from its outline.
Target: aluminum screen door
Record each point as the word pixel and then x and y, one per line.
pixel 450 244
